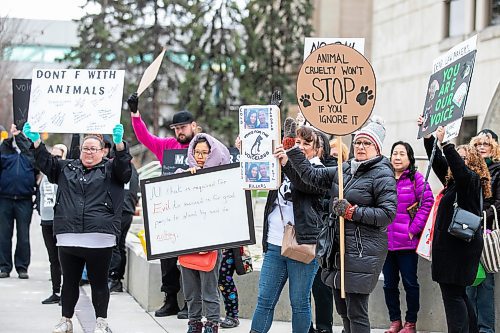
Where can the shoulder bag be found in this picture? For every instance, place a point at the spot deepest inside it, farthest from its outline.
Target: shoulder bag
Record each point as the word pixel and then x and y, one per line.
pixel 204 262
pixel 291 249
pixel 465 224
pixel 490 257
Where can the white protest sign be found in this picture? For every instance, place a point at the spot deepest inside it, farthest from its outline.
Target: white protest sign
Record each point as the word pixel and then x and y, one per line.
pixel 186 213
pixel 75 100
pixel 259 133
pixel 313 43
pixel 150 73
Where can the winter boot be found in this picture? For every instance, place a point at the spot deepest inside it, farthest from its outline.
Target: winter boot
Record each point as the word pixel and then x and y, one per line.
pixel 211 327
pixel 195 326
pixel 395 327
pixel 169 308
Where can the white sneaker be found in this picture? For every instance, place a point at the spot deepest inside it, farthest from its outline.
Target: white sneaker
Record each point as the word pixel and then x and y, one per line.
pixel 65 326
pixel 101 326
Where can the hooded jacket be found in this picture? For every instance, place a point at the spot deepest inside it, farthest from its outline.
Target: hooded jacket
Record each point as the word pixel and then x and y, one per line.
pixel 88 199
pixel 17 171
pixel 409 192
pixel 219 154
pixel 372 187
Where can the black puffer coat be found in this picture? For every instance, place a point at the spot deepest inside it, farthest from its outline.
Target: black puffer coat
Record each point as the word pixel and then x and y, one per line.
pixel 87 200
pixel 454 261
pixel 373 189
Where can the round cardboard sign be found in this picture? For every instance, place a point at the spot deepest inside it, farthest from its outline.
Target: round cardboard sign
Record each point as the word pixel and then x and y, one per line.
pixel 336 89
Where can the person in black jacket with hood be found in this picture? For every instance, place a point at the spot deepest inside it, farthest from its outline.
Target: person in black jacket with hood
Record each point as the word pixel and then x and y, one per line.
pixel 368 207
pixel 87 217
pixel 465 176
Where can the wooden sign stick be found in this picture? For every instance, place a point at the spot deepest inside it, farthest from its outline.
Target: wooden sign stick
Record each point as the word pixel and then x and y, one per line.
pixel 341 219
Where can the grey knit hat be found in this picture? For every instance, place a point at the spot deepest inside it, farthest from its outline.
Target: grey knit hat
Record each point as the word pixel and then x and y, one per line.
pixel 373 130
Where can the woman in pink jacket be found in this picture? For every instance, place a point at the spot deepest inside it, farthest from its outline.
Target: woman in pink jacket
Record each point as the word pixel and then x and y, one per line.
pixel 403 236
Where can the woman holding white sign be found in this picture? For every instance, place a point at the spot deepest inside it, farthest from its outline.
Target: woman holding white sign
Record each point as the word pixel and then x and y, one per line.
pixel 300 205
pixel 87 217
pixel 368 207
pixel 201 287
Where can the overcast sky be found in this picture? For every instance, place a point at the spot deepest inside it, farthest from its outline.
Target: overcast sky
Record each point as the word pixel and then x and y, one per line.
pixel 43 9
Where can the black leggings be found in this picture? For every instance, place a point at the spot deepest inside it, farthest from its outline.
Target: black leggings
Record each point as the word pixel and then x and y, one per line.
pixel 55 268
pixel 73 259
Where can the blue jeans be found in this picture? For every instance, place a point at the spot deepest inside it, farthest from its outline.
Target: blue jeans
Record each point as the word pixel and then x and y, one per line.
pixel 276 269
pixel 482 298
pixel 20 211
pixel 406 263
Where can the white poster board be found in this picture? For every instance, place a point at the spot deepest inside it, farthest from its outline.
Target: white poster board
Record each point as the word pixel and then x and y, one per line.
pixel 313 43
pixel 260 132
pixel 75 100
pixel 186 213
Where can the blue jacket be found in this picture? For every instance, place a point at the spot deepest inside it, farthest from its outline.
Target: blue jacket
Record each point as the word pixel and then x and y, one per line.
pixel 17 171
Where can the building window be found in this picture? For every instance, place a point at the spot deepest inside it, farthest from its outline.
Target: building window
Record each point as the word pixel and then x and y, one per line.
pixel 468 130
pixel 495 12
pixel 456 17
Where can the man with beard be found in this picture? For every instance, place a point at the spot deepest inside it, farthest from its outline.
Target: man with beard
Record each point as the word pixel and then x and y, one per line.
pixel 184 126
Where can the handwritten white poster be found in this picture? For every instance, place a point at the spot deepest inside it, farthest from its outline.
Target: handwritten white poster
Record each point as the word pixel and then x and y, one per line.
pixel 313 43
pixel 260 134
pixel 75 100
pixel 186 213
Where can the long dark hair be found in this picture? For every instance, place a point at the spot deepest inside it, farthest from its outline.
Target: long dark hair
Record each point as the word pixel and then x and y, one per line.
pixel 411 157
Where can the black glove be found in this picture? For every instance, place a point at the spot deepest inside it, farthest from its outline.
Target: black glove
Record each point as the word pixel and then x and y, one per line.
pixel 133 102
pixel 343 208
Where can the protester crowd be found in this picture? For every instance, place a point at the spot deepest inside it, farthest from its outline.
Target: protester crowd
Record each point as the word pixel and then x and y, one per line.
pixel 86 202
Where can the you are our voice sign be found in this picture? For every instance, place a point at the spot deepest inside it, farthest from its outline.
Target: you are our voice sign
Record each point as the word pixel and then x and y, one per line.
pixel 75 100
pixel 186 213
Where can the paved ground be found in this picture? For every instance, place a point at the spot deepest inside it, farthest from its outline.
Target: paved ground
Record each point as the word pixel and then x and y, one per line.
pixel 22 312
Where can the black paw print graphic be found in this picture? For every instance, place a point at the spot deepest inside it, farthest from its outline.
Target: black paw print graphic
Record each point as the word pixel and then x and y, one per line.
pixel 364 95
pixel 304 99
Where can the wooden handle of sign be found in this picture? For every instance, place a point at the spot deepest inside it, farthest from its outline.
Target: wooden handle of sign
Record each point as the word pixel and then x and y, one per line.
pixel 341 219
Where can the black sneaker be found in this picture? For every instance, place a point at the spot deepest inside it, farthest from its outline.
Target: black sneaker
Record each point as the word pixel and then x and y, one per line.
pixel 23 275
pixel 183 314
pixel 52 299
pixel 115 286
pixel 229 322
pixel 4 275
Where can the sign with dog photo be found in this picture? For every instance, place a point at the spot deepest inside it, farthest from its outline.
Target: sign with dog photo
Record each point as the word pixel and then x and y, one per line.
pixel 259 133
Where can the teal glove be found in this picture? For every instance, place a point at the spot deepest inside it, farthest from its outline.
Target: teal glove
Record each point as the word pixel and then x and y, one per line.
pixel 33 136
pixel 118 134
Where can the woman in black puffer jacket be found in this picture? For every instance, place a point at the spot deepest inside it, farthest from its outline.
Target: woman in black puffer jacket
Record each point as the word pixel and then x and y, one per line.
pixel 368 208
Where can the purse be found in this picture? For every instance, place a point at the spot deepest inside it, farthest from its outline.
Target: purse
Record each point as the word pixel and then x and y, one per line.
pixel 291 249
pixel 464 224
pixel 199 262
pixel 413 208
pixel 242 260
pixel 480 276
pixel 490 257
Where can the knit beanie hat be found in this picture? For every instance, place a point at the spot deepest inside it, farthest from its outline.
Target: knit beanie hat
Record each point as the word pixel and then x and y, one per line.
pixel 494 136
pixel 375 131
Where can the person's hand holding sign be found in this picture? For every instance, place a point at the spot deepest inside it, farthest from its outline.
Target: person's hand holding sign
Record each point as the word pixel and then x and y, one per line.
pixel 420 121
pixel 440 134
pixel 280 154
pixel 133 103
pixel 118 137
pixel 33 136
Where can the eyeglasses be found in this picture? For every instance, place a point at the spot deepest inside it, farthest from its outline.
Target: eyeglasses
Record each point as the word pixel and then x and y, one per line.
pixel 92 150
pixel 365 144
pixel 484 144
pixel 201 153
